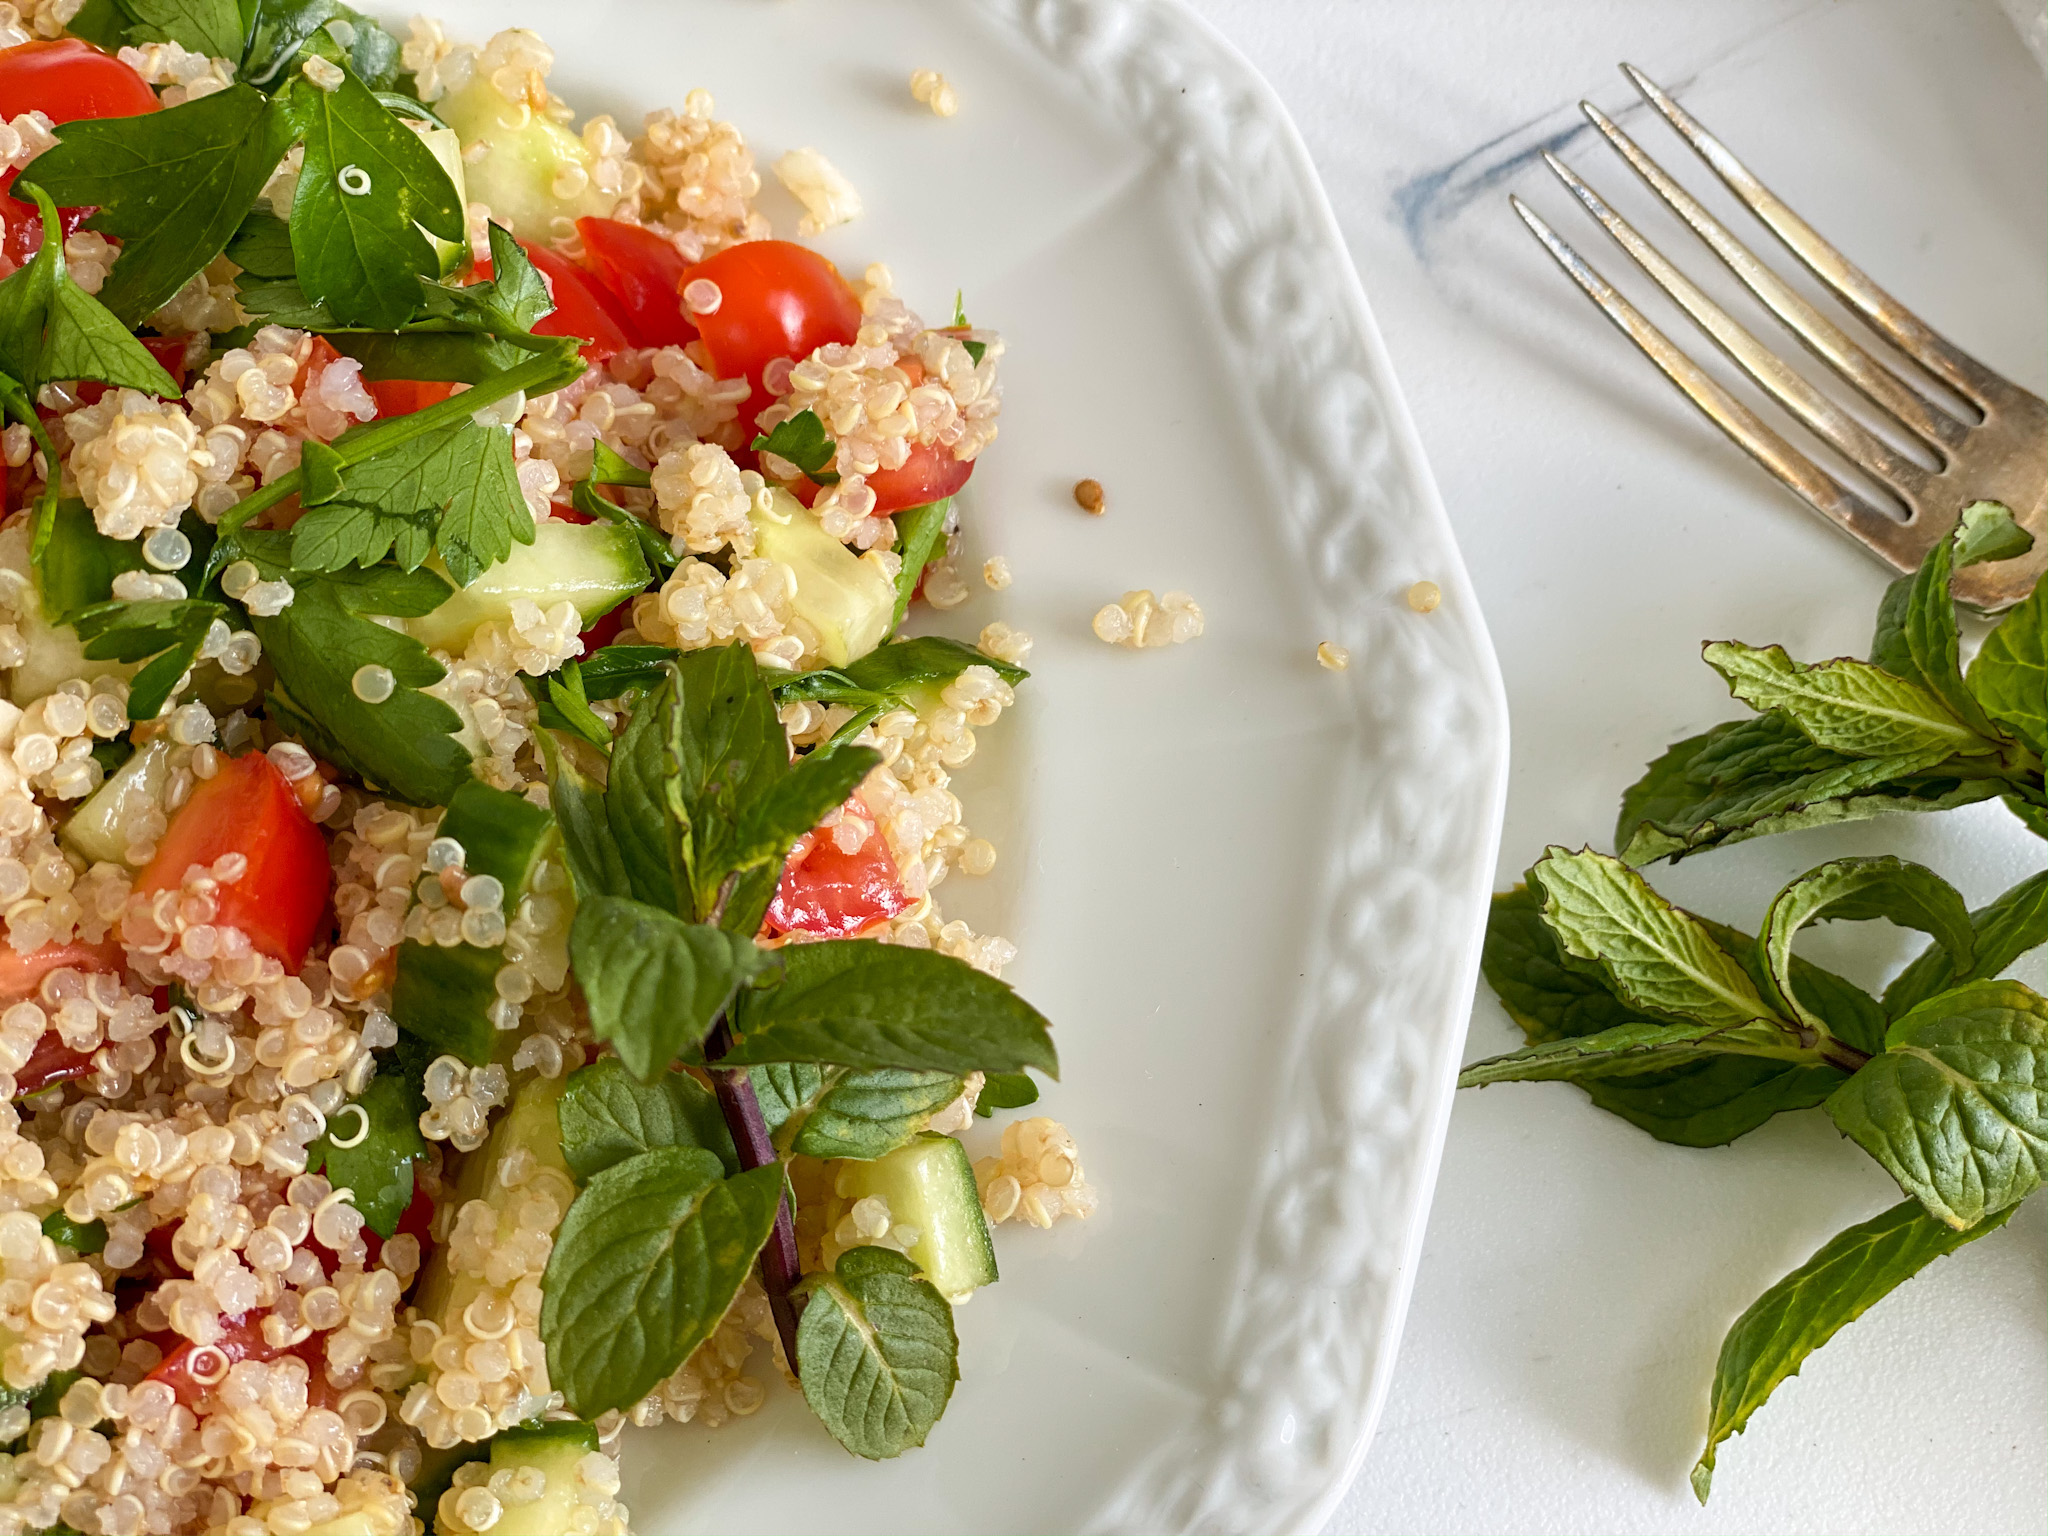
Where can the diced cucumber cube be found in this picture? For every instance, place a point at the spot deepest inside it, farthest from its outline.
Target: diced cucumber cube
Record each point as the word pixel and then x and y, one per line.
pixel 929 1185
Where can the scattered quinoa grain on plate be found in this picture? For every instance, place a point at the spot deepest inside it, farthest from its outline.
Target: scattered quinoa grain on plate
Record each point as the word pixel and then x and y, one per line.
pixel 1333 656
pixel 1144 622
pixel 342 794
pixel 1424 596
pixel 929 87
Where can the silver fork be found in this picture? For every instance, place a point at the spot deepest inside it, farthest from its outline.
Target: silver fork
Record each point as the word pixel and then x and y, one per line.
pixel 2002 457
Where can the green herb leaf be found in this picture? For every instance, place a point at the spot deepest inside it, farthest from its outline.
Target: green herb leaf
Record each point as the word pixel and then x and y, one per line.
pixel 50 328
pixel 455 490
pixel 1005 1090
pixel 730 751
pixel 407 744
pixel 888 674
pixel 1953 1108
pixel 1752 778
pixel 262 246
pixel 76 564
pixel 876 1353
pixel 2009 677
pixel 1846 706
pixel 803 441
pixel 608 468
pixel 1546 992
pixel 656 984
pixel 172 186
pixel 511 303
pixel 1626 1050
pixel 282 28
pixel 607 1115
pixel 1855 890
pixel 1929 632
pixel 833 1112
pixel 920 539
pixel 611 671
pixel 171 631
pixel 81 1237
pixel 1852 1272
pixel 860 1003
pixel 211 27
pixel 102 23
pixel 2001 932
pixel 650 1255
pixel 1657 957
pixel 654 545
pixel 771 823
pixel 367 187
pixel 1987 531
pixel 644 825
pixel 379 1166
pixel 569 706
pixel 587 846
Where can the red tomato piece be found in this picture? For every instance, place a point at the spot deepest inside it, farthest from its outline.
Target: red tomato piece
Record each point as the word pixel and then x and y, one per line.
pixel 21 974
pixel 169 352
pixel 582 306
pixel 605 628
pixel 401 397
pixel 52 1061
pixel 931 472
pixel 247 807
pixel 776 299
pixel 644 273
pixel 24 221
pixel 67 79
pixel 192 1370
pixel 827 891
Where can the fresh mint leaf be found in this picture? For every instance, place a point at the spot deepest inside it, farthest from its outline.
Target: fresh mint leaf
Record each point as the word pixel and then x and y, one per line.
pixel 1657 957
pixel 1953 1108
pixel 1715 1100
pixel 212 27
pixel 605 674
pixel 650 1255
pixel 593 858
pixel 803 441
pixel 1852 1272
pixel 281 28
pixel 567 701
pixel 2034 817
pixel 920 539
pixel 795 803
pixel 1628 1049
pixel 2009 677
pixel 608 468
pixel 1753 778
pixel 172 631
pixel 656 984
pixel 607 1115
pixel 1855 890
pixel 367 188
pixel 832 1112
pixel 876 1353
pixel 861 1003
pixel 455 491
pixel 1546 992
pixel 379 1166
pixel 1846 706
pixel 644 825
pixel 407 744
pixel 1987 531
pixel 81 1237
pixel 1931 638
pixel 172 186
pixel 730 750
pixel 2001 932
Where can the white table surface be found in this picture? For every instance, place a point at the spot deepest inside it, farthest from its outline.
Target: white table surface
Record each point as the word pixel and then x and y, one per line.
pixel 1578 1276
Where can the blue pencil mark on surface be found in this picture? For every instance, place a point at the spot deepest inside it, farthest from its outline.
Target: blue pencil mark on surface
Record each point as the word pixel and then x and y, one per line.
pixel 1436 197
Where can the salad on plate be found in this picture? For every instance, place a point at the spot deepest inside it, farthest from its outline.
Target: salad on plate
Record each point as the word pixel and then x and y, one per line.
pixel 469 816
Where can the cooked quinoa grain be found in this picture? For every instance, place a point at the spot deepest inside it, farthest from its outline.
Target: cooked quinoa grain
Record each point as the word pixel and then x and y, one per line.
pixel 1424 596
pixel 1333 656
pixel 1141 621
pixel 828 197
pixel 929 87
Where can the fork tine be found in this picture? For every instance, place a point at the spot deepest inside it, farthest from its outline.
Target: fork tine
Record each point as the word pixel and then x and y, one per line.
pixel 1952 366
pixel 1822 336
pixel 1815 409
pixel 1797 472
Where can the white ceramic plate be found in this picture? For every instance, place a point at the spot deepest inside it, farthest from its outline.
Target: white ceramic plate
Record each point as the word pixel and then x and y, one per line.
pixel 1249 891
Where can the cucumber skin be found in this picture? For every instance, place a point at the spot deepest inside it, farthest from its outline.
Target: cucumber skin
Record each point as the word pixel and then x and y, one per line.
pixel 555 1448
pixel 444 995
pixel 953 1247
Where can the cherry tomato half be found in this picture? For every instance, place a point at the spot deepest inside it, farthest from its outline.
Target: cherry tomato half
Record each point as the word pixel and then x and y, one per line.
pixel 401 397
pixel 835 894
pixel 21 974
pixel 776 299
pixel 66 80
pixel 52 1061
pixel 247 807
pixel 582 306
pixel 644 273
pixel 931 472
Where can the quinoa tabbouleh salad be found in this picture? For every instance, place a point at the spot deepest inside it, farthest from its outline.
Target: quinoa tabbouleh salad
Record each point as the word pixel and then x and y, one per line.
pixel 449 595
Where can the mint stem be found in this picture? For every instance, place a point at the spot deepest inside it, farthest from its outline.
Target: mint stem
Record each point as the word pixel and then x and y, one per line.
pixel 1839 1053
pixel 780 1268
